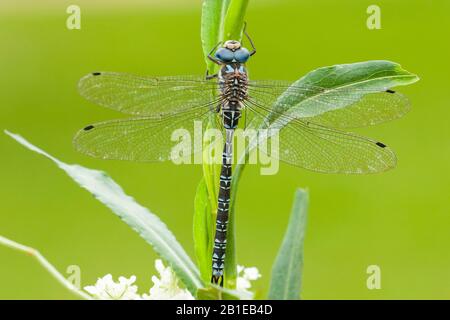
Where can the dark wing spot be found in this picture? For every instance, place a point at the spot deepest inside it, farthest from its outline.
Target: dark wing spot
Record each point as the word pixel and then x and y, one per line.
pixel 390 91
pixel 88 128
pixel 96 73
pixel 382 145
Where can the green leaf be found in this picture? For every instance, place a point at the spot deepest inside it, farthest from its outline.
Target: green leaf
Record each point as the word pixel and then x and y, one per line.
pixel 203 231
pixel 234 20
pixel 213 14
pixel 345 85
pixel 287 269
pixel 139 218
pixel 221 20
pixel 211 164
pixel 213 292
pixel 205 208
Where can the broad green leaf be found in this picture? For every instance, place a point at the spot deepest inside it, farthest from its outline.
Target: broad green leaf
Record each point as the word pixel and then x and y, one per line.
pixel 139 218
pixel 344 84
pixel 287 269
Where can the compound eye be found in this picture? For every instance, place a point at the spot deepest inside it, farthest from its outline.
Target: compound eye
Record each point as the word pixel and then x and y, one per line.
pixel 224 55
pixel 241 55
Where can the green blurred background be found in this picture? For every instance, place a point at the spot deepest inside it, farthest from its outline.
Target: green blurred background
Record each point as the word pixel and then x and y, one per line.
pixel 398 220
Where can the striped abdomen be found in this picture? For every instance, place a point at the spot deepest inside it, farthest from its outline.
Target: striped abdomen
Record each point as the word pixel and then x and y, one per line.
pixel 234 88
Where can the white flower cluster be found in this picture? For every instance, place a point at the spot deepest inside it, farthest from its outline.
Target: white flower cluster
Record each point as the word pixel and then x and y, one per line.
pixel 107 289
pixel 244 276
pixel 167 287
pixel 164 288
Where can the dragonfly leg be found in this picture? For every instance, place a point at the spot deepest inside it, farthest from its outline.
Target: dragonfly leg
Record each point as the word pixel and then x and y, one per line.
pixel 245 116
pixel 210 76
pixel 210 57
pixel 213 59
pixel 249 39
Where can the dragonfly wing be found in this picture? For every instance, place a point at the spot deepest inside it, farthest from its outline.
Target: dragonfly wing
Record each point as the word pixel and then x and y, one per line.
pixel 318 148
pixel 335 107
pixel 372 109
pixel 147 96
pixel 143 138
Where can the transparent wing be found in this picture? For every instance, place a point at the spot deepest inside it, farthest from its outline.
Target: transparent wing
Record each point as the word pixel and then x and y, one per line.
pixel 318 148
pixel 322 149
pixel 372 109
pixel 339 108
pixel 147 96
pixel 144 138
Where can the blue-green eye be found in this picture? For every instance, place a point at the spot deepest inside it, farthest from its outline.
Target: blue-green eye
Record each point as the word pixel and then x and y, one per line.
pixel 241 55
pixel 224 54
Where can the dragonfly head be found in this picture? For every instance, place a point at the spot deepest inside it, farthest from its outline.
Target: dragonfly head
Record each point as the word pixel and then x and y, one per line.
pixel 232 45
pixel 232 51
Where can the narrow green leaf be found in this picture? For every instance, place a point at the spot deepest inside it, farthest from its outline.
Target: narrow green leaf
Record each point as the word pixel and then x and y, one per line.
pixel 211 164
pixel 203 231
pixel 234 20
pixel 287 269
pixel 213 13
pixel 205 209
pixel 139 218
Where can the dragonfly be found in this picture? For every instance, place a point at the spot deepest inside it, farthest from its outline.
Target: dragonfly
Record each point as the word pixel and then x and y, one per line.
pixel 313 136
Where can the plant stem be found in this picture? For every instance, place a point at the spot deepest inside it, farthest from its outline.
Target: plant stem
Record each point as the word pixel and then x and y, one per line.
pixel 47 266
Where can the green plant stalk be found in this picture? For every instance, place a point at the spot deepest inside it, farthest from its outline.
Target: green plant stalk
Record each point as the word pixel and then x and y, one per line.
pixel 47 266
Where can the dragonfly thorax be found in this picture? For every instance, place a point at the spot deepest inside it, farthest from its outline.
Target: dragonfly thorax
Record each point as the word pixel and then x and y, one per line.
pixel 233 82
